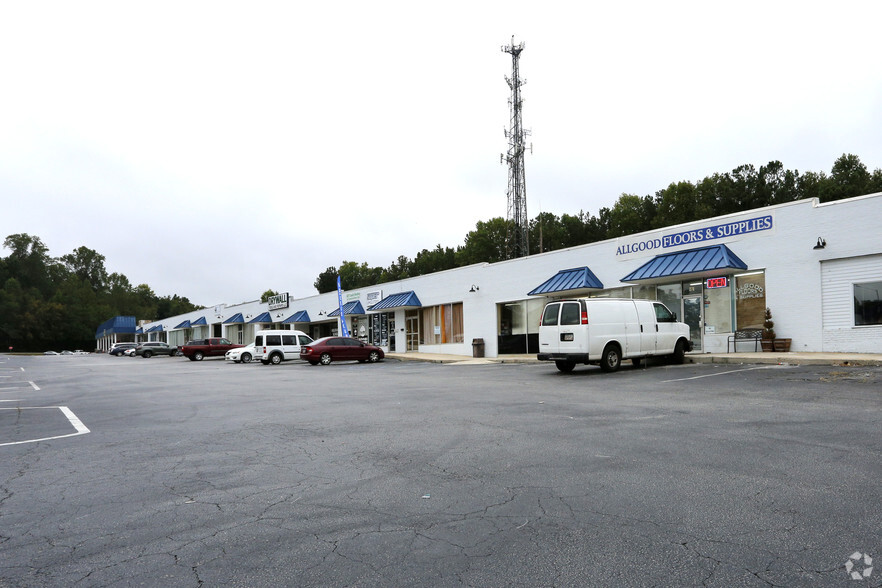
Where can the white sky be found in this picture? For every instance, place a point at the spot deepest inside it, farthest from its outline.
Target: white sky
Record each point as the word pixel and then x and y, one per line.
pixel 216 149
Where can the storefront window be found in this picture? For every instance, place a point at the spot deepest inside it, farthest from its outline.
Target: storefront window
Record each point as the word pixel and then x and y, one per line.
pixel 379 328
pixel 750 301
pixel 643 292
pixel 718 308
pixel 867 303
pixel 670 296
pixel 442 324
pixel 623 292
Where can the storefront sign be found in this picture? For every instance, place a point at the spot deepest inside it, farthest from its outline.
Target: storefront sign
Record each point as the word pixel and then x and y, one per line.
pixel 716 282
pixel 278 301
pixel 697 236
pixel 372 297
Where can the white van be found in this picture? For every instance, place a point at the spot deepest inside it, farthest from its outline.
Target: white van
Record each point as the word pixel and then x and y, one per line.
pixel 277 346
pixel 608 330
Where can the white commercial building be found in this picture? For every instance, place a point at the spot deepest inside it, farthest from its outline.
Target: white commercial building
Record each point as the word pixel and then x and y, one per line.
pixel 818 267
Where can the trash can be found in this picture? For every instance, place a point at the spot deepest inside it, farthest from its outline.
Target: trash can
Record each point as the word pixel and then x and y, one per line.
pixel 477 348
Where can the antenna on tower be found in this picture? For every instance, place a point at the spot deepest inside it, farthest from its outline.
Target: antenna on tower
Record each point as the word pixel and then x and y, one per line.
pixel 517 241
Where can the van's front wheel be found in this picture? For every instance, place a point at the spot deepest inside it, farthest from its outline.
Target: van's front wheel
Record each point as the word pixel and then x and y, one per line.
pixel 565 366
pixel 611 359
pixel 679 355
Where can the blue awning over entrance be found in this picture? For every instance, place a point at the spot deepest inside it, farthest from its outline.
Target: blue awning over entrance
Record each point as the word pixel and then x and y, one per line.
pixel 575 280
pixel 704 262
pixel 262 318
pixel 353 307
pixel 199 321
pixel 236 318
pixel 402 300
pixel 298 317
pixel 116 325
pixel 184 325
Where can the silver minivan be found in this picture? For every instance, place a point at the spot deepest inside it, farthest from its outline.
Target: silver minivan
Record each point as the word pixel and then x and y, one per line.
pixel 276 346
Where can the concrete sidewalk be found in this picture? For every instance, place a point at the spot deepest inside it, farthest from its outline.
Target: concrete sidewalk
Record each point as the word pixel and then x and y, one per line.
pixel 791 358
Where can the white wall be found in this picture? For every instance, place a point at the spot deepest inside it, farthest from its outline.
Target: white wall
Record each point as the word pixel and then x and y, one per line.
pixel 794 286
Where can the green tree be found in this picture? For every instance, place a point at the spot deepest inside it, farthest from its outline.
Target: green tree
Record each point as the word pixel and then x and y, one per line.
pixel 484 244
pixel 266 295
pixel 326 281
pixel 631 214
pixel 87 264
pixel 29 262
pixel 849 177
pixel 436 260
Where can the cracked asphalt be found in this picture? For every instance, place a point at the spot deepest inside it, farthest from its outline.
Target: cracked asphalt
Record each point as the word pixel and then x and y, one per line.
pixel 410 474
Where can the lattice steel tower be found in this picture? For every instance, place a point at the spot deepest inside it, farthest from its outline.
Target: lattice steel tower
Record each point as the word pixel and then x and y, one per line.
pixel 517 242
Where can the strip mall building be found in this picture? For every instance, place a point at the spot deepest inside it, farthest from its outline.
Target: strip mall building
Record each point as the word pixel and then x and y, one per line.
pixel 818 267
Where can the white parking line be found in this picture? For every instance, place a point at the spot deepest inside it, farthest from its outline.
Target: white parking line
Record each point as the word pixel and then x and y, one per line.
pixel 762 367
pixel 78 425
pixel 34 385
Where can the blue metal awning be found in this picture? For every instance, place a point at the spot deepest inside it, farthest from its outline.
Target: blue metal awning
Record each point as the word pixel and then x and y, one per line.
pixel 353 307
pixel 139 331
pixel 199 321
pixel 704 262
pixel 402 300
pixel 236 318
pixel 298 317
pixel 116 325
pixel 262 318
pixel 570 280
pixel 155 328
pixel 184 325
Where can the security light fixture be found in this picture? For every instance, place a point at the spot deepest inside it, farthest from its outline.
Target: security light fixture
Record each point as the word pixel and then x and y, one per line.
pixel 821 243
pixel 474 288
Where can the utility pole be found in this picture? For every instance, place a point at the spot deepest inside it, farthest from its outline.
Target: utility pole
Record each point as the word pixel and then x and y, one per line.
pixel 517 241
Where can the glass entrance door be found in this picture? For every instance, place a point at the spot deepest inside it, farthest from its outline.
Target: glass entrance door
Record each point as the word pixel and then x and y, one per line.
pixel 412 329
pixel 692 317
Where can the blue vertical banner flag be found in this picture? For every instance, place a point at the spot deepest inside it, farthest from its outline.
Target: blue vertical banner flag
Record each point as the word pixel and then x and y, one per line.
pixel 344 331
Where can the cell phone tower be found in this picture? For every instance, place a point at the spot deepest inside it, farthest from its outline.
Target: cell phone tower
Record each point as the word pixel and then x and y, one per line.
pixel 517 240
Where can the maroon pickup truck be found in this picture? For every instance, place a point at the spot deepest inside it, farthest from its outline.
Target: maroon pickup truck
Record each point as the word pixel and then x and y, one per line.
pixel 196 350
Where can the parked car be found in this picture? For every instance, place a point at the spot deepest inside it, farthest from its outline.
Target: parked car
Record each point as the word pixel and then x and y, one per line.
pixel 213 346
pixel 51 353
pixel 118 349
pixel 274 347
pixel 130 352
pixel 241 354
pixel 327 349
pixel 152 348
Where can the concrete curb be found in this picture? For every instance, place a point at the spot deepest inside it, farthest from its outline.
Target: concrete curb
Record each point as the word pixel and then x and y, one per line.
pixel 831 359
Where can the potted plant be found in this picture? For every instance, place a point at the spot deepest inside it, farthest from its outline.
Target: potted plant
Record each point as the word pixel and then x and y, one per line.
pixel 768 340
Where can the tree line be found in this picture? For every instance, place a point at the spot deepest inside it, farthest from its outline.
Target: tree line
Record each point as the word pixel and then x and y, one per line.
pixel 744 188
pixel 58 303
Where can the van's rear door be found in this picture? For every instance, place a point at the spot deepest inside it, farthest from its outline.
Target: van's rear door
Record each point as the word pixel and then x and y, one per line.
pixel 573 336
pixel 549 334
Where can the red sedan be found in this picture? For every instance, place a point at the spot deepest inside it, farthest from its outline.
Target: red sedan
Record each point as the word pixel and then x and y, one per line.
pixel 327 349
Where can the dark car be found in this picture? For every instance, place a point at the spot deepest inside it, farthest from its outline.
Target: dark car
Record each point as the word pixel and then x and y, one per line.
pixel 119 348
pixel 328 349
pixel 151 348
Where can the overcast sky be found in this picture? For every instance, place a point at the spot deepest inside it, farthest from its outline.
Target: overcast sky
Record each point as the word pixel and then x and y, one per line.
pixel 216 150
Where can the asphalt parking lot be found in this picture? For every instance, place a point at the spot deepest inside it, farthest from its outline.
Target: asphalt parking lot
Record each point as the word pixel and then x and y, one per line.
pixel 166 472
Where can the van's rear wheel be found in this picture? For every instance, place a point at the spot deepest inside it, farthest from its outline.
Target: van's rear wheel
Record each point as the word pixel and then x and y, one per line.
pixel 276 358
pixel 611 359
pixel 565 366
